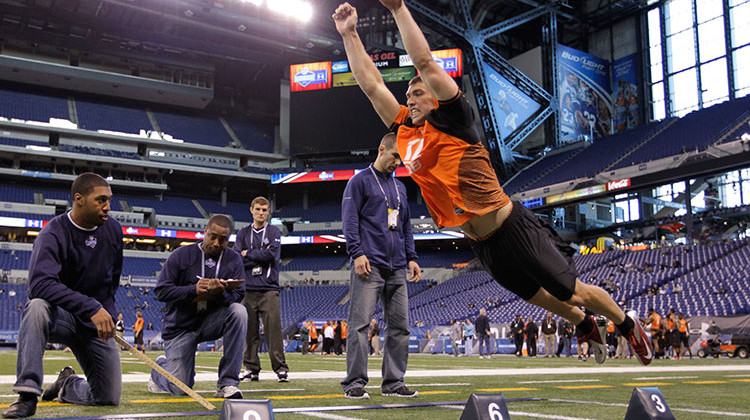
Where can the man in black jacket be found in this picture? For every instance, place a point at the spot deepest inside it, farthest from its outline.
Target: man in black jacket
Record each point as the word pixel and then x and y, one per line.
pixel 517 329
pixel 532 333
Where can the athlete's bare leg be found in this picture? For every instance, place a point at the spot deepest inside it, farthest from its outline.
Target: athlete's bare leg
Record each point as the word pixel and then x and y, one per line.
pixel 586 295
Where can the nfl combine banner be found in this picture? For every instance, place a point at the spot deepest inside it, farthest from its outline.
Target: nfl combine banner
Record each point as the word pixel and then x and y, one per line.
pixel 585 102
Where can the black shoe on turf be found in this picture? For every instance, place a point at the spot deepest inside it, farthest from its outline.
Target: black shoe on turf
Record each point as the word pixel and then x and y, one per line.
pixel 51 392
pixel 357 394
pixel 283 376
pixel 24 406
pixel 402 392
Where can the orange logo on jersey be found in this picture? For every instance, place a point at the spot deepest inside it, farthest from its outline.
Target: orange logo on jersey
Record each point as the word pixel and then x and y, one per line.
pixel 413 153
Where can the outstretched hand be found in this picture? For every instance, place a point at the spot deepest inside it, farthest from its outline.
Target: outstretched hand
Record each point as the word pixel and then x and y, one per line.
pixel 345 18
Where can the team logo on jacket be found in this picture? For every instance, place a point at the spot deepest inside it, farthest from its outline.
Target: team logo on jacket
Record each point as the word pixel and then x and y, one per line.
pixel 458 210
pixel 210 263
pixel 91 242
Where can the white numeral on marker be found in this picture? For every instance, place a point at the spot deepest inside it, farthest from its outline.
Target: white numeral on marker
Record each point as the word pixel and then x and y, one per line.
pixel 657 402
pixel 494 411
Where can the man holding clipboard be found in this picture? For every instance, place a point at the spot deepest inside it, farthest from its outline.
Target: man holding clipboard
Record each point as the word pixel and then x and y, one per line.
pixel 202 285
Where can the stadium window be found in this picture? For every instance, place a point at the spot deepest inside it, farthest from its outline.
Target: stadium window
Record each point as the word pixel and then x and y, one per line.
pixel 683 92
pixel 714 81
pixel 742 70
pixel 687 44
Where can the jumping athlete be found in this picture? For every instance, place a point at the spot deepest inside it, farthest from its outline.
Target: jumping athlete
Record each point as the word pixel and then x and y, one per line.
pixel 440 146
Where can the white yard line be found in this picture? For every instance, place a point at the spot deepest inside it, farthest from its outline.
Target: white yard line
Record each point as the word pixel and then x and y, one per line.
pixel 690 410
pixel 322 415
pixel 526 414
pixel 656 378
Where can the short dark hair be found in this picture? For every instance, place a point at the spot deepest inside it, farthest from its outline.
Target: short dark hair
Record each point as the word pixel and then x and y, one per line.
pixel 221 220
pixel 86 182
pixel 263 201
pixel 388 140
pixel 415 79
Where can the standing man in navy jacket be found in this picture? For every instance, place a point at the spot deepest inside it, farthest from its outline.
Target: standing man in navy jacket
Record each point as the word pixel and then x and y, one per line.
pixel 379 240
pixel 260 246
pixel 73 275
pixel 203 303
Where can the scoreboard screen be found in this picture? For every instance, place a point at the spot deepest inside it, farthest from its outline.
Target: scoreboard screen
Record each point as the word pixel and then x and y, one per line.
pixel 329 113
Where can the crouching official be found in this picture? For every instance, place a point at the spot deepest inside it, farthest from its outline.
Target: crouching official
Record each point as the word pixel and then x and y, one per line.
pixel 202 286
pixel 73 275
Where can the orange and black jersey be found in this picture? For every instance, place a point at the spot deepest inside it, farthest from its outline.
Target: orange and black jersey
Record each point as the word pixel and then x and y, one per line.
pixel 446 158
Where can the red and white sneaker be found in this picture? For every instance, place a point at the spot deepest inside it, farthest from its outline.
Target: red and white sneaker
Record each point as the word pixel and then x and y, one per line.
pixel 640 343
pixel 596 338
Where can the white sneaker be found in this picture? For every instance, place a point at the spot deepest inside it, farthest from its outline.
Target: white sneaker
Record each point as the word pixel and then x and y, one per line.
pixel 153 388
pixel 481 357
pixel 228 392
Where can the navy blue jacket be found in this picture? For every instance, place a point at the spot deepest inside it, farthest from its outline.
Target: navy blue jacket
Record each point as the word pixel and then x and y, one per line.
pixel 365 220
pixel 76 269
pixel 264 252
pixel 176 287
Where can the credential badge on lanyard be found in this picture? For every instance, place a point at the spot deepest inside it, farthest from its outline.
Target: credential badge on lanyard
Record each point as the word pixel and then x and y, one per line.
pixel 392 213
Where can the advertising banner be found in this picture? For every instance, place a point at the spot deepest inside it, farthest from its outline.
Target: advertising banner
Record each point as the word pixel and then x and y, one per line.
pixel 512 107
pixel 585 101
pixel 625 92
pixel 310 76
pixel 450 60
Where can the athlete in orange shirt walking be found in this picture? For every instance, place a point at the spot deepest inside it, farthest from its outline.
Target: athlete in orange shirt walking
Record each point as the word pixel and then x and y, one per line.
pixel 439 144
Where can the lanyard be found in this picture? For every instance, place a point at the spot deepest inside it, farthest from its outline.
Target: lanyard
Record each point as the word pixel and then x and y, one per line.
pixel 262 237
pixel 398 197
pixel 203 263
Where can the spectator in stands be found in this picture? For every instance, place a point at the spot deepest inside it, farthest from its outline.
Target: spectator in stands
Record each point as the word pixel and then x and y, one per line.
pixel 427 335
pixel 149 326
pixel 517 330
pixel 532 333
pixel 549 330
pixel 260 246
pixel 379 241
pixel 439 143
pixel 482 324
pixel 202 286
pixel 74 272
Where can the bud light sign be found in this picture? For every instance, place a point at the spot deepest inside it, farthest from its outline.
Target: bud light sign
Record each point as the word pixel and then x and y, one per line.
pixel 310 76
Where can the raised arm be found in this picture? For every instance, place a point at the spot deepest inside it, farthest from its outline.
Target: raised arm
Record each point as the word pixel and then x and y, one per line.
pixel 367 75
pixel 443 86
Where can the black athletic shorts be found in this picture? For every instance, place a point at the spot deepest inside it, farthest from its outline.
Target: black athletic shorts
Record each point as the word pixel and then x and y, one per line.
pixel 526 254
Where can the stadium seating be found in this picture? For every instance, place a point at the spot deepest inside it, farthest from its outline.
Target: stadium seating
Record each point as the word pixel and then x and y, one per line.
pixel 97 116
pixel 255 137
pixel 193 129
pixel 32 107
